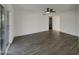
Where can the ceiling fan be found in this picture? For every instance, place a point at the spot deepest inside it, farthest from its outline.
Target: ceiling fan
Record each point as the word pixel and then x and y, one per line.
pixel 48 11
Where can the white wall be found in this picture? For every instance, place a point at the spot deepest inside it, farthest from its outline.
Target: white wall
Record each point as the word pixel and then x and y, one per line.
pixel 32 22
pixel 68 22
pixel 27 22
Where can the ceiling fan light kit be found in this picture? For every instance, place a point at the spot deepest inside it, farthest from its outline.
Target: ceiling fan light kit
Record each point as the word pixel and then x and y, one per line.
pixel 48 10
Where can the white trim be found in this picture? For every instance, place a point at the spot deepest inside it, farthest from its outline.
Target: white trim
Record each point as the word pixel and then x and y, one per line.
pixel 69 33
pixel 6 50
pixel 32 33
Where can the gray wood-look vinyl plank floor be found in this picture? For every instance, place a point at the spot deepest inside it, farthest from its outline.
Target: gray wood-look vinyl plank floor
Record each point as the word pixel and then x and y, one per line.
pixel 45 43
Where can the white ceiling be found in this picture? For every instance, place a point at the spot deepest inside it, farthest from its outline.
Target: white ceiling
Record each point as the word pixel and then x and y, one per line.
pixel 38 7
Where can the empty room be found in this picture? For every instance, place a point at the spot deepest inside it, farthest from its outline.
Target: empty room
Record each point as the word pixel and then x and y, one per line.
pixel 39 29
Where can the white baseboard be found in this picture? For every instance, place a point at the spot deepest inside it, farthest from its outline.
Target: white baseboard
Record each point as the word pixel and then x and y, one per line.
pixel 70 34
pixel 30 33
pixel 6 50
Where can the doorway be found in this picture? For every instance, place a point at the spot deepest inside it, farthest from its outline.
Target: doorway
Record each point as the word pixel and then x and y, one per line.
pixel 50 23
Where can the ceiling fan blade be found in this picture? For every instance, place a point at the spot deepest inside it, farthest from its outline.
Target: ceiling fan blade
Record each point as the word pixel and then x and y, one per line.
pixel 43 13
pixel 54 11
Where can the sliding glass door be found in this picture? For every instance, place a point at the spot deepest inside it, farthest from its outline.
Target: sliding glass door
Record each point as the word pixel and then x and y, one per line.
pixel 4 29
pixel 0 29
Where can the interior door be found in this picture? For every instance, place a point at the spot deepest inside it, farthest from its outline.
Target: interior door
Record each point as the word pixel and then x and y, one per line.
pixel 50 23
